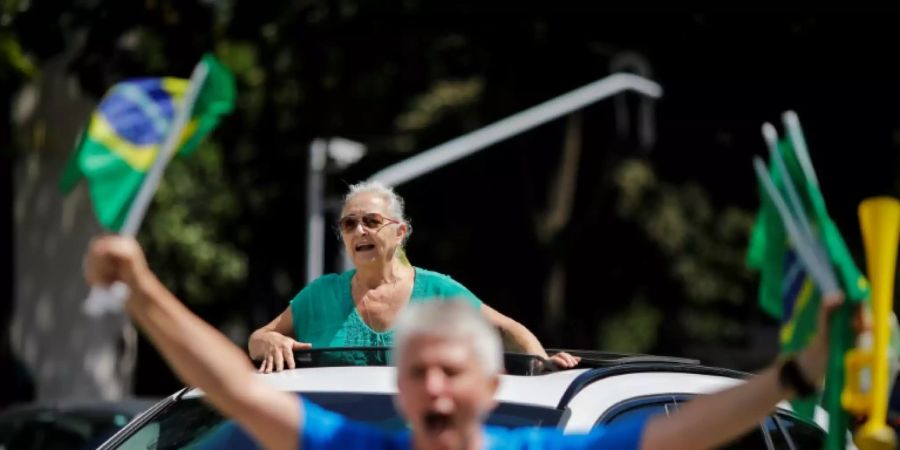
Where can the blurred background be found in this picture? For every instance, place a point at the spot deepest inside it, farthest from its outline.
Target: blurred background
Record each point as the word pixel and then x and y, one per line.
pixel 621 227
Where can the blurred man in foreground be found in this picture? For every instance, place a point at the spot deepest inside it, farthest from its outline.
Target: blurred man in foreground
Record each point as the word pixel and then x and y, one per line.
pixel 448 363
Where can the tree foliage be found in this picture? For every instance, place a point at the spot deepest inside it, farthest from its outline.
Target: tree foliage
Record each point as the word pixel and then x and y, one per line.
pixel 654 247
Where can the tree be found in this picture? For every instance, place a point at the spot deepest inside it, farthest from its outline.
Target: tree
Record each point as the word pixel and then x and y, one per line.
pixel 649 248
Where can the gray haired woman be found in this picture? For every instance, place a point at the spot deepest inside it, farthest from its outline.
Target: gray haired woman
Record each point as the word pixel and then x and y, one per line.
pixel 357 308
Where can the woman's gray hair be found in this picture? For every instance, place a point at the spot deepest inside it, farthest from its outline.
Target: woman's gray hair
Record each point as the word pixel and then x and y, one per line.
pixel 450 319
pixel 394 207
pixel 394 201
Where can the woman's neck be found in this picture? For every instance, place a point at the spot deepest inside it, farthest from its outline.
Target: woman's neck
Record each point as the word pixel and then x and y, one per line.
pixel 372 276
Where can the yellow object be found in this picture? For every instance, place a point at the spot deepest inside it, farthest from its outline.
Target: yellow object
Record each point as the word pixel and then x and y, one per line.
pixel 856 397
pixel 879 219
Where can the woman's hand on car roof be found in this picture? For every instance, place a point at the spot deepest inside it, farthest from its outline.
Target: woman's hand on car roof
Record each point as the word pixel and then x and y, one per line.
pixel 564 360
pixel 278 351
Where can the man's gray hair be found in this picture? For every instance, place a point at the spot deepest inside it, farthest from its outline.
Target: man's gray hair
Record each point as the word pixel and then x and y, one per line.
pixel 450 319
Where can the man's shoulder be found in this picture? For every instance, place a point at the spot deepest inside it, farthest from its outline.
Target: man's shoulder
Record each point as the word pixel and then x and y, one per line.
pixel 625 435
pixel 518 438
pixel 324 429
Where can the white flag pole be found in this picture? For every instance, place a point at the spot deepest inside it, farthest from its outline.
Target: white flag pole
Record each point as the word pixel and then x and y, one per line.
pixel 819 270
pixel 795 133
pixel 112 298
pixel 770 135
pixel 771 138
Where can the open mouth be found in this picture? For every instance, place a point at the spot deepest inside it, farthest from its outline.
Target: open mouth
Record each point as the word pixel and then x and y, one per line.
pixel 436 422
pixel 365 247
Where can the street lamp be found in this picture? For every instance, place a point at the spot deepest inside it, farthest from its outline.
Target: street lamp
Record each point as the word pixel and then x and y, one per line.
pixel 341 153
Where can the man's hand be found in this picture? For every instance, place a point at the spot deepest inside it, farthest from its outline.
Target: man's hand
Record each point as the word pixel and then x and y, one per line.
pixel 197 352
pixel 115 258
pixel 813 360
pixel 709 421
pixel 278 350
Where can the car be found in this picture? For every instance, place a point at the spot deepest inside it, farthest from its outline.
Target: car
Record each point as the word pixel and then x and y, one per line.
pixel 604 389
pixel 70 425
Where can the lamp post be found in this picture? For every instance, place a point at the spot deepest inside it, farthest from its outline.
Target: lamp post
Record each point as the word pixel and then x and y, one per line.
pixel 460 147
pixel 325 156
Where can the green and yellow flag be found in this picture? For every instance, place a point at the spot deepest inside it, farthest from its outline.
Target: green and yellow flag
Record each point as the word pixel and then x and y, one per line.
pixel 128 129
pixel 787 291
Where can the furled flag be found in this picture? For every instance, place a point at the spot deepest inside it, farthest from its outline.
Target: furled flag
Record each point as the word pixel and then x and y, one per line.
pixel 128 129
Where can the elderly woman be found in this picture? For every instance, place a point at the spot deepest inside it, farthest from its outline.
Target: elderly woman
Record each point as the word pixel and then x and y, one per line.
pixel 357 308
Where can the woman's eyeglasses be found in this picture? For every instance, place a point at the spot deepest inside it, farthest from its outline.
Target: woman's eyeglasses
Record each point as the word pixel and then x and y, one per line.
pixel 372 221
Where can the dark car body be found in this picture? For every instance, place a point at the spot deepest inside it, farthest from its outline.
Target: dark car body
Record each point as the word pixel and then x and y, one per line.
pixel 74 425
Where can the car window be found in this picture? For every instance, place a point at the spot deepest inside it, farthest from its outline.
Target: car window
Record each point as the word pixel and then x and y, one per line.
pixel 795 433
pixel 642 410
pixel 178 425
pixel 665 406
pixel 189 423
pixel 145 438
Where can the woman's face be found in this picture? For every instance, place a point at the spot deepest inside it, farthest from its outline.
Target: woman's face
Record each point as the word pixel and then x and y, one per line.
pixel 369 232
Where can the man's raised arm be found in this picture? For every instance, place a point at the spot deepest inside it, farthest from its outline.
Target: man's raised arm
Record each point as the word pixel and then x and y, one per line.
pixel 712 420
pixel 199 354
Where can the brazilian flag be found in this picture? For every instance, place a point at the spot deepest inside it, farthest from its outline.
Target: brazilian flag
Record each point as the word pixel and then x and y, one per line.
pixel 126 133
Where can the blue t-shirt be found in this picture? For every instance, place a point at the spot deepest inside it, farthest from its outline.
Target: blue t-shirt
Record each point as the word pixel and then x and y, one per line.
pixel 325 430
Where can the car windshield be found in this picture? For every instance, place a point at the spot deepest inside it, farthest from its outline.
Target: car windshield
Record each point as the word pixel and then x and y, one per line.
pixel 191 423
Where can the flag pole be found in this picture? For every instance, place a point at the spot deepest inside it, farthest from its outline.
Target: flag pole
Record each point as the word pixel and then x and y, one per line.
pixel 770 135
pixel 819 270
pixel 795 133
pixel 777 161
pixel 100 299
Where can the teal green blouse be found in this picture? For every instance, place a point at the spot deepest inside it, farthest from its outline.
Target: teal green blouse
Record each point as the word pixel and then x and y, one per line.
pixel 324 314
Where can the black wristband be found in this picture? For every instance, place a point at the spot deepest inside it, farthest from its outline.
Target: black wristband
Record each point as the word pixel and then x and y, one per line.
pixel 790 377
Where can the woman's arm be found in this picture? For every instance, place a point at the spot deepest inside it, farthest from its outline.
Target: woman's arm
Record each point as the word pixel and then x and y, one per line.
pixel 198 353
pixel 519 338
pixel 515 336
pixel 272 343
